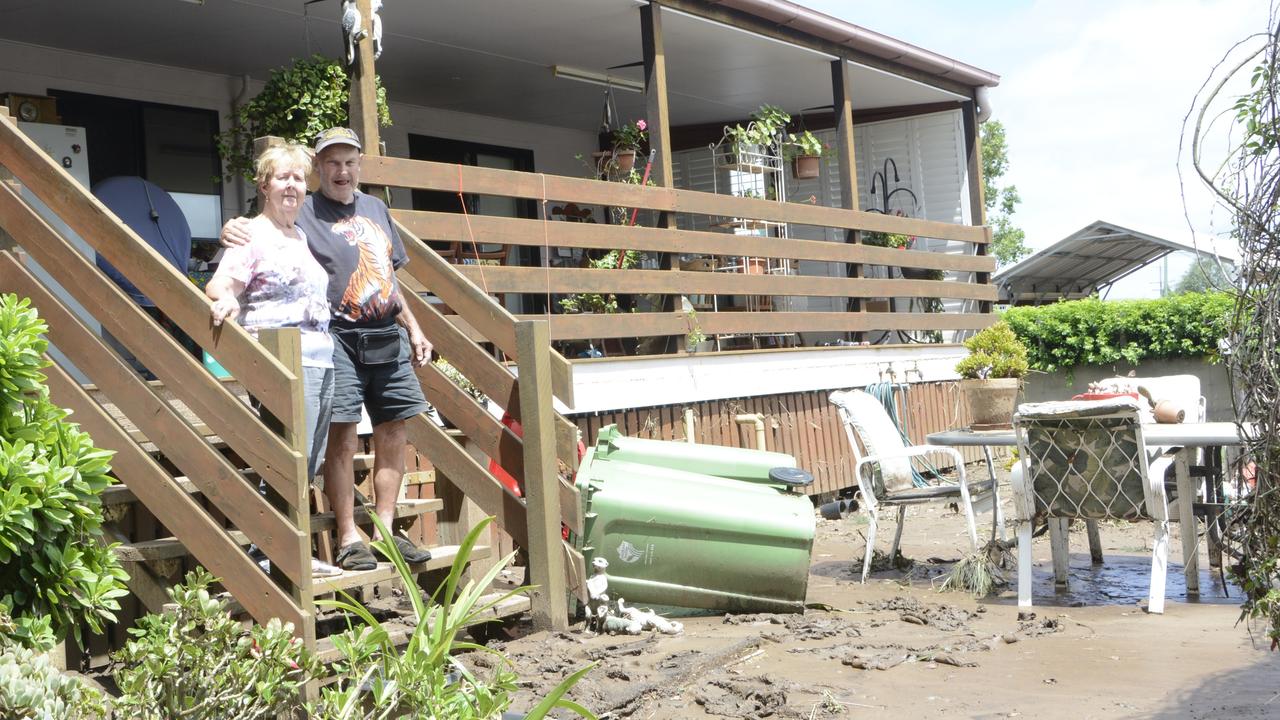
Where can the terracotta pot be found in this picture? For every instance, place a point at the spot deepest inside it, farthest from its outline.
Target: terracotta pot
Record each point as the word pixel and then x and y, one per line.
pixel 805 167
pixel 625 160
pixel 991 401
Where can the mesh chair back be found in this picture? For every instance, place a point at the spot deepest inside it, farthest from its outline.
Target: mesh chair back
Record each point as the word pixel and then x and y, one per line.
pixel 1083 459
pixel 866 416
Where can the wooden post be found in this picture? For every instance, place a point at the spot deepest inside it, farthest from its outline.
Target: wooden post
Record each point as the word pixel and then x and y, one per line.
pixel 655 95
pixel 841 100
pixel 541 483
pixel 286 345
pixel 658 117
pixel 977 198
pixel 364 94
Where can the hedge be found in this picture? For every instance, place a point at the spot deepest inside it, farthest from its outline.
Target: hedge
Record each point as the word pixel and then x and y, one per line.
pixel 1098 332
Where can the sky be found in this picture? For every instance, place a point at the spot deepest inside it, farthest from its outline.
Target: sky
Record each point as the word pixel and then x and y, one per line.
pixel 1092 95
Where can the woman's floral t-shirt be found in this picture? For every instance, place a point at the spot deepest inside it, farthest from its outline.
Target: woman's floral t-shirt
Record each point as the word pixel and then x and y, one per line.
pixel 284 287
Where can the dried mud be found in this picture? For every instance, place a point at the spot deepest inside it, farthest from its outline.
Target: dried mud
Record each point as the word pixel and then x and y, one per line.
pixel 896 647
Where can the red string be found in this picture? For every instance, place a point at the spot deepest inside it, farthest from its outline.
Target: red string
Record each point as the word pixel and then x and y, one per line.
pixel 462 200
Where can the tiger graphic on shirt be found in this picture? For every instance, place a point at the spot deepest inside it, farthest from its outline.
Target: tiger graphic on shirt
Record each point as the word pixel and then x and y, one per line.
pixel 370 292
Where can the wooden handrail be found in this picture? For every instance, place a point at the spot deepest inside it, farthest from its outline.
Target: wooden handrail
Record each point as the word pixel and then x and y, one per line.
pixel 624 325
pixel 216 477
pixel 225 414
pixel 578 280
pixel 481 311
pixel 180 512
pixel 146 269
pixel 478 366
pixel 491 230
pixel 427 175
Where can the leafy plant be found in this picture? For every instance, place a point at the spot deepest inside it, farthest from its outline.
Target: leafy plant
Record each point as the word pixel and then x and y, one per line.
pixel 31 687
pixel 883 239
pixel 425 679
pixel 56 572
pixel 297 102
pixel 595 302
pixel 1098 332
pixel 460 380
pixel 763 130
pixel 631 136
pixel 804 143
pixel 994 352
pixel 196 662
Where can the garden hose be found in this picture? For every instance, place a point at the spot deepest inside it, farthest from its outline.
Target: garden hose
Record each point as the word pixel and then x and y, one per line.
pixel 886 392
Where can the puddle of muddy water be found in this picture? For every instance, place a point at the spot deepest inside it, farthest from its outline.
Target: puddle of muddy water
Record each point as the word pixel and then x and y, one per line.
pixel 1122 580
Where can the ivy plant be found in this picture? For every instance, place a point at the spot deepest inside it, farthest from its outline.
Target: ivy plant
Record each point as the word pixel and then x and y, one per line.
pixel 56 572
pixel 1098 332
pixel 296 103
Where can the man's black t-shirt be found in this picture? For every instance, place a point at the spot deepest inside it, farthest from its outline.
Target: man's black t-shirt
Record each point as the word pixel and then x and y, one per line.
pixel 358 246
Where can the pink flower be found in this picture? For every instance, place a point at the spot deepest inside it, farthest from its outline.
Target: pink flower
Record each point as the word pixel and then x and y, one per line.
pixel 641 125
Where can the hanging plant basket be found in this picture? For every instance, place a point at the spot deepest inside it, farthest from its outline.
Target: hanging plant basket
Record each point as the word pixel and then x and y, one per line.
pixel 805 167
pixel 625 160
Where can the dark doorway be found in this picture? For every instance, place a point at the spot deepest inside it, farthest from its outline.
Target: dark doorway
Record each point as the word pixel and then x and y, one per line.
pixel 426 147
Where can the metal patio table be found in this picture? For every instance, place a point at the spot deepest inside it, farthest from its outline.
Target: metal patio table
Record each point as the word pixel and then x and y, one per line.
pixel 1186 437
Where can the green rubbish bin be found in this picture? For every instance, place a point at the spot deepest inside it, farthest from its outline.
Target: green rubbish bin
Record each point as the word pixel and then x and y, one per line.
pixel 679 538
pixel 725 462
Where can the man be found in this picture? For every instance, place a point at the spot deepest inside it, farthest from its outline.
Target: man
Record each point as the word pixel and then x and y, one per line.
pixel 376 338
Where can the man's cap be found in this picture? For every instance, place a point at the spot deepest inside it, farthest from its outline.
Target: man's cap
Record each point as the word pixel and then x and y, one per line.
pixel 337 136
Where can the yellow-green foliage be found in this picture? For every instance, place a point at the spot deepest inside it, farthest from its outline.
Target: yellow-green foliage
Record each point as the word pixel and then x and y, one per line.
pixel 1101 332
pixel 994 353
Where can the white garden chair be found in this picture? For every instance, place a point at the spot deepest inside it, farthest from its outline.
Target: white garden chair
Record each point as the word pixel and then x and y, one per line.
pixel 1087 459
pixel 884 472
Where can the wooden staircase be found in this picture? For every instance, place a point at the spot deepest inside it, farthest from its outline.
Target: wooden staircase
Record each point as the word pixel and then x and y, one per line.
pixel 190 452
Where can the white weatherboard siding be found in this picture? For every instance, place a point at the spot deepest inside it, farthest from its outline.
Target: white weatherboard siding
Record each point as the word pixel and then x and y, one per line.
pixel 612 384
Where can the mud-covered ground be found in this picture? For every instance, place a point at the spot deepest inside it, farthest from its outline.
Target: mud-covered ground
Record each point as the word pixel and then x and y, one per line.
pixel 896 647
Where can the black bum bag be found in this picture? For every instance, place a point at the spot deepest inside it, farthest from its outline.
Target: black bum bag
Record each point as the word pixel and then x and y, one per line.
pixel 371 346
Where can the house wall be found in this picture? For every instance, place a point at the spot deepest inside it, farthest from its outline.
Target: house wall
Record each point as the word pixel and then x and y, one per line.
pixel 33 70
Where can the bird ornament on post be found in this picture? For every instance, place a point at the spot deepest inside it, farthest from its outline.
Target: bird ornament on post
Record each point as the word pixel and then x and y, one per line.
pixel 376 22
pixel 352 28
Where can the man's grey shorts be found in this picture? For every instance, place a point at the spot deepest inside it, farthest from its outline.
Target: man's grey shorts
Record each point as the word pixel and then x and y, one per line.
pixel 389 392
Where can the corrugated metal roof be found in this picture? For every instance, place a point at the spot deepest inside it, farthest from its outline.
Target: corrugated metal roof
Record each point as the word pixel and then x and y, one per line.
pixel 1083 263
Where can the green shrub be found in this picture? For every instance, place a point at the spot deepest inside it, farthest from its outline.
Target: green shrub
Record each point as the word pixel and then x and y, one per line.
pixel 1098 332
pixel 196 662
pixel 994 352
pixel 55 570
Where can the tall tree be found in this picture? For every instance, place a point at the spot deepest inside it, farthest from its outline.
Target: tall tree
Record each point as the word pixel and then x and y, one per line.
pixel 1203 276
pixel 1007 240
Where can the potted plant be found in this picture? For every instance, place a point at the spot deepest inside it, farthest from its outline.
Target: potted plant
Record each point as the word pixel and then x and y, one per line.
pixel 992 375
pixel 804 151
pixel 627 140
pixel 750 143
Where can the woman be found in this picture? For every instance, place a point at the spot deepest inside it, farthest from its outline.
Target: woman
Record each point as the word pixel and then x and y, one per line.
pixel 273 281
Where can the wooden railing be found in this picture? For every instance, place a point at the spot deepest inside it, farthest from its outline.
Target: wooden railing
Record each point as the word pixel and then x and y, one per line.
pixel 270 371
pixel 282 532
pixel 436 226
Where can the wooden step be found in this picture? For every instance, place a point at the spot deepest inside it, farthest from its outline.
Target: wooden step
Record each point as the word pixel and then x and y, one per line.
pixel 120 493
pixel 400 633
pixel 441 557
pixel 166 548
